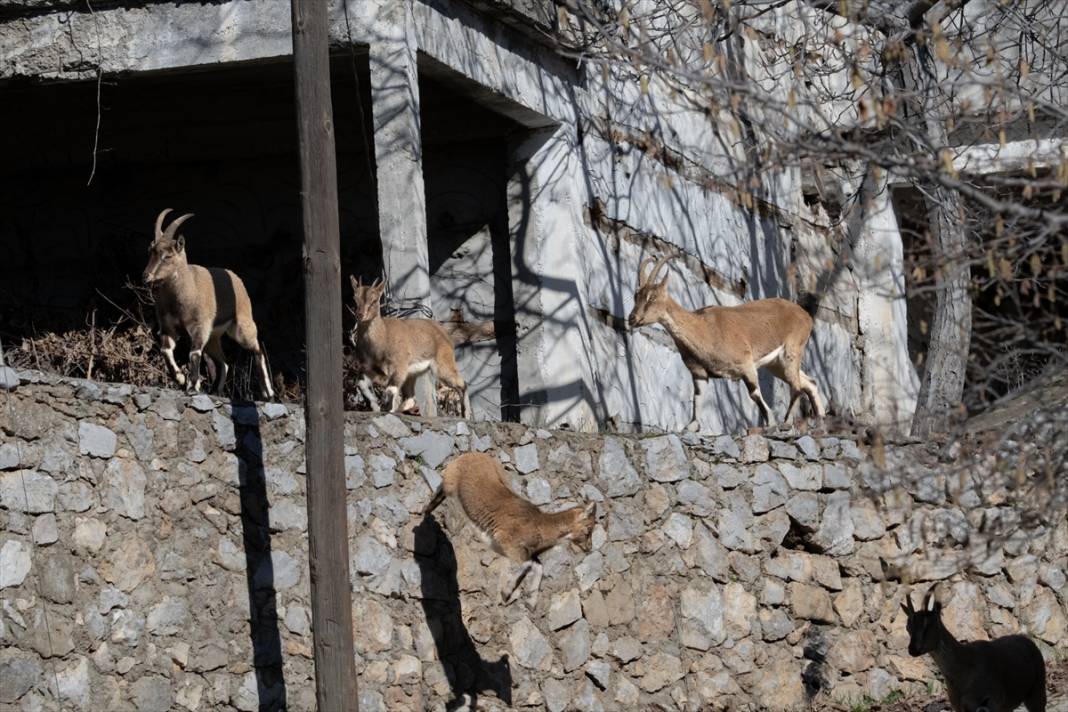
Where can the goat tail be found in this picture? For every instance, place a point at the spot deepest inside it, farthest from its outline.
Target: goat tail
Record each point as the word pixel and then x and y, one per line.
pixel 462 333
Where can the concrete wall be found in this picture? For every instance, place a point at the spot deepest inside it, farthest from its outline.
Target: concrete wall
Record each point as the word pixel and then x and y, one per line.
pixel 154 557
pixel 589 140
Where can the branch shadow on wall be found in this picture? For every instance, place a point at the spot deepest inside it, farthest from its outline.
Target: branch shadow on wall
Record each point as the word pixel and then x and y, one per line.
pixel 259 568
pixel 537 291
pixel 467 672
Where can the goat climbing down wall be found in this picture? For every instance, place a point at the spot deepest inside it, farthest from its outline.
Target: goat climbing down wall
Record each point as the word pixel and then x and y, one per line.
pixel 154 557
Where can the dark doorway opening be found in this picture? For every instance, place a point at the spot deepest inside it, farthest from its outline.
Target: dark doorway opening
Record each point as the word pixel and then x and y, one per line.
pixel 220 143
pixel 465 171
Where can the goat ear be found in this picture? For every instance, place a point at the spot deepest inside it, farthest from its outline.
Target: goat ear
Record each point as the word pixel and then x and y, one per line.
pixel 355 284
pixel 590 510
pixel 179 243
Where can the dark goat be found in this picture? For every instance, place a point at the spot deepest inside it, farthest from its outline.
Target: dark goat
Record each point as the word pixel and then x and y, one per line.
pixel 981 676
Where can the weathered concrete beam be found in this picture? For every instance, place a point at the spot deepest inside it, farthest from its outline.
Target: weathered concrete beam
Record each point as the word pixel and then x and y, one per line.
pixel 1013 157
pixel 75 45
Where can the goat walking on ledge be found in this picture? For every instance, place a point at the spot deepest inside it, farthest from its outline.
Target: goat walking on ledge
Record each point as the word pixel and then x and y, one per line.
pixel 731 342
pixel 203 302
pixel 981 676
pixel 511 525
pixel 397 351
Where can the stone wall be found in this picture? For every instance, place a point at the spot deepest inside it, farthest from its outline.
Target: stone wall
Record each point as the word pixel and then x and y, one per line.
pixel 153 552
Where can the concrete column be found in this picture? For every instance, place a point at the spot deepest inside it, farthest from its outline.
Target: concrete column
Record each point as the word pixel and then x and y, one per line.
pixel 526 251
pixel 890 384
pixel 553 360
pixel 398 150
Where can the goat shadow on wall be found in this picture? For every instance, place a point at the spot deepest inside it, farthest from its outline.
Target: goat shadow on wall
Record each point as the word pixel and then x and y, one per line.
pixel 468 674
pixel 259 569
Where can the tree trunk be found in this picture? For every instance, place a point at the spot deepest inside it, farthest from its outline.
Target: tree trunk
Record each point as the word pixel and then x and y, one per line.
pixel 951 329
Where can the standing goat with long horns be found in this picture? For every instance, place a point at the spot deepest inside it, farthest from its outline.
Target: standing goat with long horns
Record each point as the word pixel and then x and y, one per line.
pixel 730 342
pixel 203 302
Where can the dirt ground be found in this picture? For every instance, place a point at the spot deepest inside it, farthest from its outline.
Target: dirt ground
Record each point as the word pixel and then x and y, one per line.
pixel 1056 688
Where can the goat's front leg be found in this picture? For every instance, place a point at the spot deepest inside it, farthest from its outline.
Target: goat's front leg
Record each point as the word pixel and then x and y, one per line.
pixel 392 394
pixel 534 584
pixel 196 348
pixel 364 387
pixel 698 392
pixel 166 345
pixel 513 590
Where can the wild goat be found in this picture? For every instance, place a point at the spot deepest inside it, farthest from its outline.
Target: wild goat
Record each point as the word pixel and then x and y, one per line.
pixel 397 351
pixel 514 527
pixel 730 342
pixel 203 302
pixel 981 676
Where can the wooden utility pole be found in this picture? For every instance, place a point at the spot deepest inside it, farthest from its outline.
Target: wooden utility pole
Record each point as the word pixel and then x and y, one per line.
pixel 328 544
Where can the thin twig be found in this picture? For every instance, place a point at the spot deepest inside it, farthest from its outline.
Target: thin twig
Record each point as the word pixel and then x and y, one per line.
pixel 99 81
pixel 92 345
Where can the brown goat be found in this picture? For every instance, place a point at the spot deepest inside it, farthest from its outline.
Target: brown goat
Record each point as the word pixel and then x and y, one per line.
pixel 395 352
pixel 731 342
pixel 981 676
pixel 512 526
pixel 202 302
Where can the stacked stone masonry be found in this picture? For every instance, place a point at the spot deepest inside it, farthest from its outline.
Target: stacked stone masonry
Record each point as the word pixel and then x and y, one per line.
pixel 143 569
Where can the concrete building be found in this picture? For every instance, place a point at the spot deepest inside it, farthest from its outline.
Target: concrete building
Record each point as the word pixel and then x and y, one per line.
pixel 486 171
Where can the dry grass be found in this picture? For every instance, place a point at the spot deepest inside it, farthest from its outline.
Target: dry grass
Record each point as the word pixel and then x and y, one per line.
pixel 119 345
pixel 116 348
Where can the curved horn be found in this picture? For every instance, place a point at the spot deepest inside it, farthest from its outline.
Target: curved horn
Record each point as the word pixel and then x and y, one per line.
pixel 641 269
pixel 657 267
pixel 172 229
pixel 159 222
